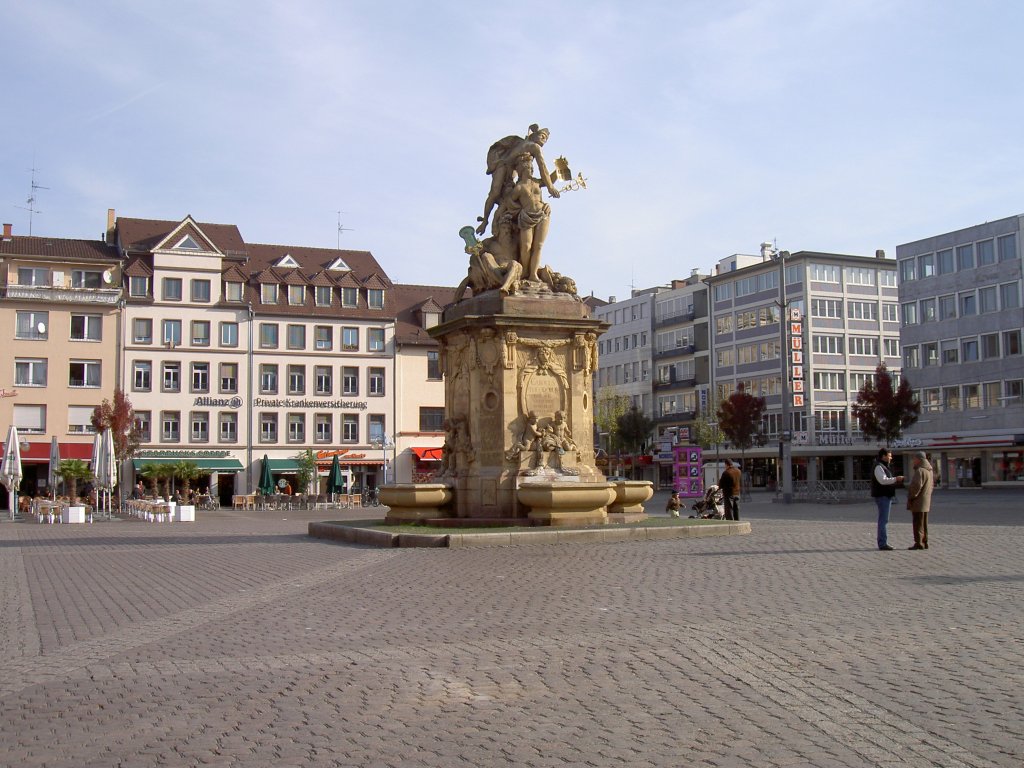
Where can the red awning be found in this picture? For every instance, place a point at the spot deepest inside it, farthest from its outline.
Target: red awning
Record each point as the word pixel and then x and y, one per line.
pixel 40 452
pixel 427 454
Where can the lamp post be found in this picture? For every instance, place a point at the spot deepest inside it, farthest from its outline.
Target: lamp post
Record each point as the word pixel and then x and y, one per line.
pixel 785 432
pixel 383 443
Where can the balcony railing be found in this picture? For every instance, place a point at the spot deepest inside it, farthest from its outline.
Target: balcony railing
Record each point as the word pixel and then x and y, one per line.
pixel 63 295
pixel 685 349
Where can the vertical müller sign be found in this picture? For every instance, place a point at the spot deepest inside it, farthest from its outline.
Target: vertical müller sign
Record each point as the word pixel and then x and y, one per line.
pixel 796 350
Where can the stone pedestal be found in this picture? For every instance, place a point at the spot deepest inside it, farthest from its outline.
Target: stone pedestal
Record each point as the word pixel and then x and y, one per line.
pixel 518 398
pixel 413 502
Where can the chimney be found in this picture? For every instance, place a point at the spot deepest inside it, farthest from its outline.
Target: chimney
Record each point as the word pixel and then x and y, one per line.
pixel 111 219
pixel 879 254
pixel 611 299
pixel 7 232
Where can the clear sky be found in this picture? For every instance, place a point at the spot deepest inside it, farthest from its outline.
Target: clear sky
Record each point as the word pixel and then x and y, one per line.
pixel 703 128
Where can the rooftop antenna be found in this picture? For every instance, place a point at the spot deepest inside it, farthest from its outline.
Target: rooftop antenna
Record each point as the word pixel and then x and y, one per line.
pixel 31 200
pixel 341 229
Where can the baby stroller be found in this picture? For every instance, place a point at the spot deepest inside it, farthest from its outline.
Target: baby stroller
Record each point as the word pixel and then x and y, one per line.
pixel 712 506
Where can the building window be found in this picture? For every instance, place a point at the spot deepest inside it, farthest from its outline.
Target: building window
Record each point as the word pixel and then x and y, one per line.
pixel 965 257
pixel 138 287
pixel 986 253
pixel 229 334
pixel 30 373
pixel 1011 343
pixel 972 396
pixel 296 295
pixel 201 291
pixel 1013 390
pixel 433 365
pixel 930 353
pixel 376 428
pixel 928 310
pixel 170 426
pixel 890 312
pixel 968 304
pixel 431 419
pixel 349 428
pixel 931 400
pixel 926 265
pixel 1009 295
pixel 950 352
pixel 142 330
pixel 82 278
pixel 375 339
pixel 268 427
pixel 268 335
pixel 200 333
pixel 863 346
pixel 323 425
pixel 142 376
pixel 323 337
pixel 268 293
pixel 910 313
pixel 172 332
pixel 349 297
pixel 826 308
pixel 349 380
pixel 860 276
pixel 34 276
pixel 862 310
pixel 200 377
pixel 200 426
pixel 830 381
pixel 908 270
pixel 1007 247
pixel 171 377
pixel 296 428
pixel 268 379
pixel 951 398
pixel 84 373
pixel 990 346
pixel 723 292
pixel 324 380
pixel 80 420
pixel 296 337
pixel 172 289
pixel 375 298
pixel 233 291
pixel 228 378
pixel 296 379
pixel 322 295
pixel 376 382
pixel 987 300
pixel 86 328
pixel 947 307
pixel 144 425
pixel 887 278
pixel 911 359
pixel 969 350
pixel 228 426
pixel 891 347
pixel 944 262
pixel 830 421
pixel 30 419
pixel 828 345
pixel 350 339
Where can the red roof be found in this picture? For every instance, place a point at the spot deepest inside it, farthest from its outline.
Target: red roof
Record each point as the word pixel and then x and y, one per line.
pixel 145 234
pixel 410 301
pixel 58 248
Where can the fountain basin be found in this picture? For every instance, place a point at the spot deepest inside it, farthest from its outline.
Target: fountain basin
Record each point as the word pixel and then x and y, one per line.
pixel 630 496
pixel 567 503
pixel 412 502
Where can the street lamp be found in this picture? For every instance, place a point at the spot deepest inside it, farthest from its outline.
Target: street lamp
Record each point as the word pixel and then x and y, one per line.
pixel 384 442
pixel 785 432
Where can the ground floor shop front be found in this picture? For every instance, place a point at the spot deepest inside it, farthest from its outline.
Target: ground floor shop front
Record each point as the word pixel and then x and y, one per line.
pixel 979 460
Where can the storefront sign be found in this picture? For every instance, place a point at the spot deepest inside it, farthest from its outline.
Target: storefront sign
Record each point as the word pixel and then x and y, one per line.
pixel 291 402
pixel 834 438
pixel 218 402
pixel 907 442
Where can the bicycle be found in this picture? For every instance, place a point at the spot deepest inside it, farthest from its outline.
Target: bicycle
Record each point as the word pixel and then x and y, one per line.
pixel 370 498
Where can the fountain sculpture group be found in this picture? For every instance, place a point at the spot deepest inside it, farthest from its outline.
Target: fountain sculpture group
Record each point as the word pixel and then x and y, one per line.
pixel 518 357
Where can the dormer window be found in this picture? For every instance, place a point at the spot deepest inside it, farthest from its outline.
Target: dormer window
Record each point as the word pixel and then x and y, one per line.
pixel 287 262
pixel 430 319
pixel 296 294
pixel 375 298
pixel 338 265
pixel 349 297
pixel 268 293
pixel 323 295
pixel 187 243
pixel 233 291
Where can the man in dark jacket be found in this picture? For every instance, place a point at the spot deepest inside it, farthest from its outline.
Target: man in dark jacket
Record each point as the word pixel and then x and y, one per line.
pixel 729 483
pixel 883 489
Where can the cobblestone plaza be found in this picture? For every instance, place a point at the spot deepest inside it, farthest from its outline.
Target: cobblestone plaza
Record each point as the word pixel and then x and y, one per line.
pixel 239 641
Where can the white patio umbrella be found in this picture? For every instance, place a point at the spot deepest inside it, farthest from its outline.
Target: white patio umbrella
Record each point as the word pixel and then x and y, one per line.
pixel 107 475
pixel 52 475
pixel 94 462
pixel 10 469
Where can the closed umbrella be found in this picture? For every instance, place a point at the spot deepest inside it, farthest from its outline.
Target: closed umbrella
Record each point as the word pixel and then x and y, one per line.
pixel 335 480
pixel 266 484
pixel 107 475
pixel 94 462
pixel 52 475
pixel 10 469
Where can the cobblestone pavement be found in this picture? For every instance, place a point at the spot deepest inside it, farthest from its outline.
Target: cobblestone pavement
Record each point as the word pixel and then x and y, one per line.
pixel 239 641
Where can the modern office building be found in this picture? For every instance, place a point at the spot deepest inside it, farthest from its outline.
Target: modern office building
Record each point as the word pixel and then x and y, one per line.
pixel 59 319
pixel 848 323
pixel 960 304
pixel 681 365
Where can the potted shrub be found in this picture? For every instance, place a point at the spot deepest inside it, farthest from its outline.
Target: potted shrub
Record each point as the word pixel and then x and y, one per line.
pixel 73 470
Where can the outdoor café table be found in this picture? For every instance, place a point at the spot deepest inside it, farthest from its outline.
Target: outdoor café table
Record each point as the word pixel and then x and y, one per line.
pixel 47 511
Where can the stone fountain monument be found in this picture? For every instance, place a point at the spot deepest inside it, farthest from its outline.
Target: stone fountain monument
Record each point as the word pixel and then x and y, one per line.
pixel 518 353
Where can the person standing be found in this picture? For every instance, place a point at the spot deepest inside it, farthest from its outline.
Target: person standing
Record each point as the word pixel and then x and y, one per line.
pixel 729 483
pixel 673 505
pixel 883 489
pixel 919 498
